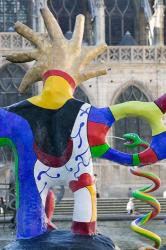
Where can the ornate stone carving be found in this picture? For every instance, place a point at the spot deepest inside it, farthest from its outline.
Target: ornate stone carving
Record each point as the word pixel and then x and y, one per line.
pixel 136 54
pixel 126 54
pixel 13 41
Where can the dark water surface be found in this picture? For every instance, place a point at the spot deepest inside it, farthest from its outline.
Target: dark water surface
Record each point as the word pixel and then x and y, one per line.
pixel 118 231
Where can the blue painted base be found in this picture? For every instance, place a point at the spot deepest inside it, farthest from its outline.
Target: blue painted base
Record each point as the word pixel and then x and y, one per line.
pixel 63 240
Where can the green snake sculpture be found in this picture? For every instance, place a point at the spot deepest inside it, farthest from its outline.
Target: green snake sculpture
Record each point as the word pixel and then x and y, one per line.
pixel 133 140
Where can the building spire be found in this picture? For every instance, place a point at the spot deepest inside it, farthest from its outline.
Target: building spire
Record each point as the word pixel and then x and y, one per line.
pixel 99 21
pixel 159 8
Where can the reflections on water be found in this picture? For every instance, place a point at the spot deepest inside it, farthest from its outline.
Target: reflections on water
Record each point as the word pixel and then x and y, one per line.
pixel 118 231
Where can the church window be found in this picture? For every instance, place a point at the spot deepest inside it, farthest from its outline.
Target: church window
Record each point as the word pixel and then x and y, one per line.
pixel 66 11
pixel 131 124
pixel 119 18
pixel 10 79
pixel 80 95
pixel 13 10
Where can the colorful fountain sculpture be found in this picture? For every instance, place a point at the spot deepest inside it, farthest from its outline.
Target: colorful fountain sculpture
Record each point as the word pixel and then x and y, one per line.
pixel 133 140
pixel 55 137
